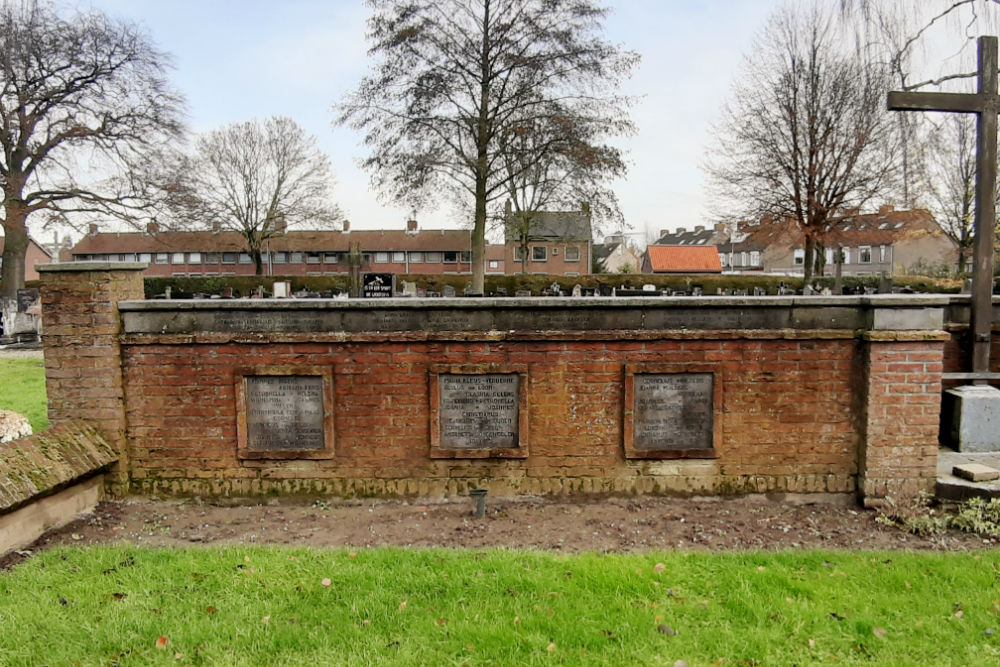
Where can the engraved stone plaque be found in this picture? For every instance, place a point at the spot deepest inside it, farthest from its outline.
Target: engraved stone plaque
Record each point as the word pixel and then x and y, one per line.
pixel 673 411
pixel 284 413
pixel 479 411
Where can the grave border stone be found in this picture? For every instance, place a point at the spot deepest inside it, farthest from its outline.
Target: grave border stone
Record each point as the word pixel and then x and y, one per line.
pixel 243 451
pixel 629 416
pixel 437 451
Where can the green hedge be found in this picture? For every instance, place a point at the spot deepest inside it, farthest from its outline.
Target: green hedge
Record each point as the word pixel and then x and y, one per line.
pixel 710 284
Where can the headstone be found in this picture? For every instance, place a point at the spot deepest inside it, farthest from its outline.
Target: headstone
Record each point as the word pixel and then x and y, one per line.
pixel 697 290
pixel 605 290
pixel 759 291
pixel 409 288
pixel 742 292
pixel 471 291
pixel 448 291
pixel 649 287
pixel 500 291
pixel 885 284
pixel 577 290
pixel 378 285
pixel 479 411
pixel 521 293
pixel 673 411
pixel 432 294
pixel 284 413
pixel 807 290
pixel 827 291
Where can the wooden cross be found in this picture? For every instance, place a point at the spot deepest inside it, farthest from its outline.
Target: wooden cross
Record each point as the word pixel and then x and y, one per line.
pixel 984 103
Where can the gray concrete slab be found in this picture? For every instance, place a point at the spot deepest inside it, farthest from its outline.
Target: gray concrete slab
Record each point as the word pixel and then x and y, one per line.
pixel 951 487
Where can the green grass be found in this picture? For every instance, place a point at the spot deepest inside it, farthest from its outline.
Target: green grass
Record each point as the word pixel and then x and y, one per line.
pixel 268 606
pixel 22 389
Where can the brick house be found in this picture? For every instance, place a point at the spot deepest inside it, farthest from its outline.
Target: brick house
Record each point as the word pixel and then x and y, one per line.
pixel 36 254
pixel 556 242
pixel 306 252
pixel 889 241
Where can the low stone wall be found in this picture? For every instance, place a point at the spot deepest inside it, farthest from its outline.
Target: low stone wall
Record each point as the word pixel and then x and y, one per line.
pixel 688 396
pixel 49 478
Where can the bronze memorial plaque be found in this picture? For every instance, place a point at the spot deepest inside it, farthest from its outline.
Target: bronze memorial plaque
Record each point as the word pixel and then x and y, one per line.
pixel 673 411
pixel 479 411
pixel 284 413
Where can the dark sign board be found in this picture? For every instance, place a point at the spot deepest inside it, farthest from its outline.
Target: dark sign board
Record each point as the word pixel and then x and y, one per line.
pixel 378 285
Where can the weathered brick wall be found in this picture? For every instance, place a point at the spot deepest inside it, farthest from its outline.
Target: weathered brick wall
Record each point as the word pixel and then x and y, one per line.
pixel 799 408
pixel 786 418
pixel 80 330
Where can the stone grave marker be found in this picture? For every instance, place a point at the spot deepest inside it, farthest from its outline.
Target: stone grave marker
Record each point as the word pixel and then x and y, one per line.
pixel 577 290
pixel 477 413
pixel 671 413
pixel 522 293
pixel 448 291
pixel 282 416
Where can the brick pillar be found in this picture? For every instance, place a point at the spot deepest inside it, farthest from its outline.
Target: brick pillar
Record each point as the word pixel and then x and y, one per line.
pixel 899 414
pixel 80 335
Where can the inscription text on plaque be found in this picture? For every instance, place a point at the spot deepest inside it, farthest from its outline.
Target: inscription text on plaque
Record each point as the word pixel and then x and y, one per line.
pixel 479 411
pixel 284 413
pixel 672 412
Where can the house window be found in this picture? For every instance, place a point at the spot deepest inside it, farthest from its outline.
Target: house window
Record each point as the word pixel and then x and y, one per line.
pixel 331 258
pixel 847 255
pixel 145 257
pixel 245 258
pixel 432 258
pixel 865 254
pixel 883 253
pixel 194 258
pixel 279 258
pixel 754 258
pixel 722 260
pixel 212 258
pixel 312 258
pixel 450 257
pixel 539 253
pixel 381 258
pixel 177 258
pixel 416 258
pixel 572 253
pixel 295 258
pixel 744 259
pixel 494 264
pixel 466 255
pixel 129 257
pixel 398 257
pixel 229 258
pixel 799 257
pixel 517 253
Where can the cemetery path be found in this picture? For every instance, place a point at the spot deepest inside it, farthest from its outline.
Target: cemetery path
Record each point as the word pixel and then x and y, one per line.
pixel 564 525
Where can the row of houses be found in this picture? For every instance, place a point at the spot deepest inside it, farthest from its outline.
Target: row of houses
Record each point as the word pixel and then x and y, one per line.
pixel 887 242
pixel 559 243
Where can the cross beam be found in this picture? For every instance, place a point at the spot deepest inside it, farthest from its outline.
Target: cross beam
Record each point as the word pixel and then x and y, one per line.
pixel 985 103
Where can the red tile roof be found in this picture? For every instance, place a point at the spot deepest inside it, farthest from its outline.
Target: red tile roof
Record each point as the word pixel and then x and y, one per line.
pixel 684 259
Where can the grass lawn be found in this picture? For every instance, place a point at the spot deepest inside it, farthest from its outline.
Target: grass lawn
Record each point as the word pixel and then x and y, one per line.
pixel 22 389
pixel 295 606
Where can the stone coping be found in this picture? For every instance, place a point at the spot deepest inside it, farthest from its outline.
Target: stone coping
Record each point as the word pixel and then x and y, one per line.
pixel 77 267
pixel 847 313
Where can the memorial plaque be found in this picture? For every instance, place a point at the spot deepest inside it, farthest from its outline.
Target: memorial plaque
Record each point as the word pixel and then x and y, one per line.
pixel 673 411
pixel 479 411
pixel 284 413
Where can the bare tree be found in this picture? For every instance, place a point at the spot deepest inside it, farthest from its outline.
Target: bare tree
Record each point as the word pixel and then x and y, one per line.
pixel 257 178
pixel 453 78
pixel 73 88
pixel 557 163
pixel 952 167
pixel 803 137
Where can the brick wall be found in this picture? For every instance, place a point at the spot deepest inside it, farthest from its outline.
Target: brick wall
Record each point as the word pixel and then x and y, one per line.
pixel 800 408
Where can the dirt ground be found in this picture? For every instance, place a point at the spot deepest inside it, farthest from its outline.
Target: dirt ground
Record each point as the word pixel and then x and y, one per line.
pixel 562 525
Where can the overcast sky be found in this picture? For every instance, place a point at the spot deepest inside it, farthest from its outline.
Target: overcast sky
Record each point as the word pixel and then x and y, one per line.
pixel 237 59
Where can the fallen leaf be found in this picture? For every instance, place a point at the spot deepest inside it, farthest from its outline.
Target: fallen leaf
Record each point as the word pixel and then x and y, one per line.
pixel 161 642
pixel 211 610
pixel 812 643
pixel 77 536
pixel 178 656
pixel 246 559
pixel 326 582
pixel 659 567
pixel 959 614
pixel 681 663
pixel 517 620
pixel 879 632
pixel 352 555
pixel 761 568
pixel 402 605
pixel 551 647
pixel 907 585
pixel 442 621
pixel 118 596
pixel 366 622
pixel 658 618
pixel 920 624
pixel 469 646
pixel 265 620
pixel 291 558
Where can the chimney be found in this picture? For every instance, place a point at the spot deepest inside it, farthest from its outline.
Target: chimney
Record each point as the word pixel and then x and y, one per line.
pixel 216 227
pixel 585 208
pixel 613 238
pixel 720 226
pixel 346 226
pixel 681 230
pixel 664 232
pixel 699 228
pixel 152 227
pixel 886 209
pixel 411 226
pixel 506 208
pixel 280 226
pixel 92 229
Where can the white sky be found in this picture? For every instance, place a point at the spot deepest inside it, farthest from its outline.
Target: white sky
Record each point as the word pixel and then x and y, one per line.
pixel 237 59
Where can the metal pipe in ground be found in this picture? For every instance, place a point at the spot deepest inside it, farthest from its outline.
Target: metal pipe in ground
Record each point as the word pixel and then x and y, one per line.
pixel 480 496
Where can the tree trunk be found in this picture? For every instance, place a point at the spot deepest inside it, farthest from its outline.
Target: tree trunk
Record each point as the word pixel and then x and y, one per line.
pixel 808 261
pixel 258 261
pixel 15 249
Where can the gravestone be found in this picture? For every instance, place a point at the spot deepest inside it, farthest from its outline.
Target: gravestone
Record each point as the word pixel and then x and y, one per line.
pixel 577 290
pixel 759 291
pixel 479 411
pixel 378 285
pixel 672 412
pixel 448 291
pixel 284 413
pixel 409 288
pixel 522 293
pixel 282 290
